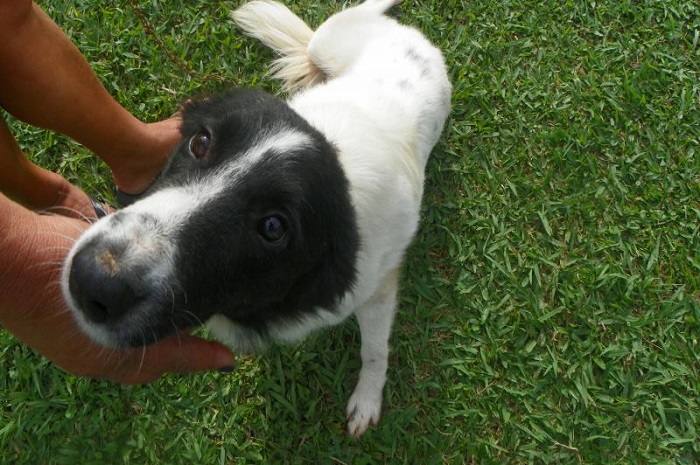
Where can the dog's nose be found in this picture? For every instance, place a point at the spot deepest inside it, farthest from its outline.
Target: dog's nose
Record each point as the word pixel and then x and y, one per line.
pixel 103 291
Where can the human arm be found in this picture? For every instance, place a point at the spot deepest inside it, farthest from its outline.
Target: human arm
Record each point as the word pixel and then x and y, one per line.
pixel 32 250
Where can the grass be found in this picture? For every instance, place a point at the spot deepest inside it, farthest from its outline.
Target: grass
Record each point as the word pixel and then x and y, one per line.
pixel 550 309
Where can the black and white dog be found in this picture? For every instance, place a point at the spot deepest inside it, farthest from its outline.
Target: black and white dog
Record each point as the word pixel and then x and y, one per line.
pixel 273 219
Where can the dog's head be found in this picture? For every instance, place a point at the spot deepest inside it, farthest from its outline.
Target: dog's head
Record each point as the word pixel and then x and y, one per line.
pixel 250 219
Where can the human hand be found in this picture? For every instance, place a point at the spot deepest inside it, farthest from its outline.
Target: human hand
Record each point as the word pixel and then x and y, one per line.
pixel 72 201
pixel 32 249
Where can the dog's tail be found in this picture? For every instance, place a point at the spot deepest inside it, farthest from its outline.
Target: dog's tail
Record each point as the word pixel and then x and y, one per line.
pixel 277 27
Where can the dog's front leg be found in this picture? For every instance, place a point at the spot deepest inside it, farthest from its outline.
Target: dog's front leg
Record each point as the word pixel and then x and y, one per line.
pixel 375 319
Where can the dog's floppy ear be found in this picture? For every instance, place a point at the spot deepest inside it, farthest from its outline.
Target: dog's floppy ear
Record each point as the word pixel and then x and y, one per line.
pixel 335 274
pixel 241 100
pixel 332 229
pixel 193 111
pixel 252 108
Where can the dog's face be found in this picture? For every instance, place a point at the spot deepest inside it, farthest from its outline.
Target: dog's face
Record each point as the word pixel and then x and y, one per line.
pixel 250 219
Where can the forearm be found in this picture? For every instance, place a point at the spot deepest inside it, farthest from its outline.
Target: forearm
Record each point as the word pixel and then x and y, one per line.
pixel 12 216
pixel 32 250
pixel 16 236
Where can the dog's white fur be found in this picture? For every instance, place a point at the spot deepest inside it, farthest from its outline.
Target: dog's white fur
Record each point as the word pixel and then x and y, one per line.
pixel 379 92
pixel 377 89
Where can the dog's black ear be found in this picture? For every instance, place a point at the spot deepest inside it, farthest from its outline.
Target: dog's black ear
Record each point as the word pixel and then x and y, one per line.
pixel 191 113
pixel 334 275
pixel 244 112
pixel 194 111
pixel 195 101
pixel 332 230
pixel 239 100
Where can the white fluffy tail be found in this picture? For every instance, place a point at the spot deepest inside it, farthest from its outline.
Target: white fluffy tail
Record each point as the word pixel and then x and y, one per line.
pixel 284 32
pixel 278 28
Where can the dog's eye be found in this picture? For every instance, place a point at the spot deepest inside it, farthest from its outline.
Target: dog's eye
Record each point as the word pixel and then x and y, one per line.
pixel 199 144
pixel 272 228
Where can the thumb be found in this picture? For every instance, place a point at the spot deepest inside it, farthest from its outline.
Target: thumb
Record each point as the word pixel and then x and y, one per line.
pixel 181 353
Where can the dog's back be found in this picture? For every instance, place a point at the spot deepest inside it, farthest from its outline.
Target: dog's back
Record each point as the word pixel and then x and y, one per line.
pixel 376 56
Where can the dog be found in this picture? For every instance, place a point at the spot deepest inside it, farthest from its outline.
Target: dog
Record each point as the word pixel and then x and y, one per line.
pixel 273 218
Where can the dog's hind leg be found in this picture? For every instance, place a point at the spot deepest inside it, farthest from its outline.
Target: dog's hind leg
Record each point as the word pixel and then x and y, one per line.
pixel 375 319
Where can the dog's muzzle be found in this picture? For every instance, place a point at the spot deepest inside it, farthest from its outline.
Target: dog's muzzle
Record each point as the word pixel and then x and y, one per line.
pixel 103 290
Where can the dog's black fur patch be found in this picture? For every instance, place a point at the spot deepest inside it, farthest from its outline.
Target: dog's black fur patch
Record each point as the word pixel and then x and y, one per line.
pixel 223 263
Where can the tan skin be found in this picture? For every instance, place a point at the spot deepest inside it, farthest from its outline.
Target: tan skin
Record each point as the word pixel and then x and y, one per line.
pixel 45 81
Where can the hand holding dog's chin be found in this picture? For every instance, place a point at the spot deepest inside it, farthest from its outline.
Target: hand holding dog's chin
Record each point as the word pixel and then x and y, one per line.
pixel 32 249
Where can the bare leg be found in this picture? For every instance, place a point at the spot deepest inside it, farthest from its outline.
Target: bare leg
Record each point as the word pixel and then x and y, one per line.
pixel 45 81
pixel 35 187
pixel 375 319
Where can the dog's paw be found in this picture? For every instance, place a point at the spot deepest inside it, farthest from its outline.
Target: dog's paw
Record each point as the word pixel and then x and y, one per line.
pixel 363 410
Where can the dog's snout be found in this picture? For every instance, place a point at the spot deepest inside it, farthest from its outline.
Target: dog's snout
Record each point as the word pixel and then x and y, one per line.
pixel 103 290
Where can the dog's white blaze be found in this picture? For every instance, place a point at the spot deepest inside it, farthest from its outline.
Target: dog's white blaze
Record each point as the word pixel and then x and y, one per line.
pixel 176 204
pixel 278 142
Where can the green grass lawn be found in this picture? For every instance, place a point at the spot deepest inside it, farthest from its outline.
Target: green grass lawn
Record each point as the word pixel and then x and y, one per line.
pixel 550 309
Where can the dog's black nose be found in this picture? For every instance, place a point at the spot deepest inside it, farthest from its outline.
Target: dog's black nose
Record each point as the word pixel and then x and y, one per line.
pixel 103 291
